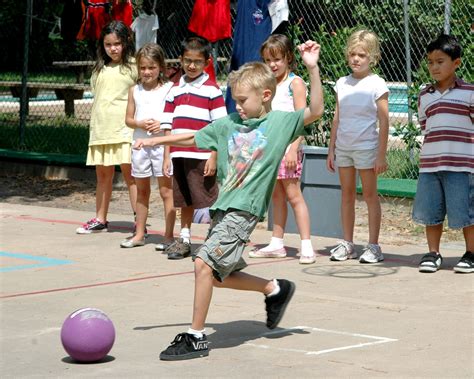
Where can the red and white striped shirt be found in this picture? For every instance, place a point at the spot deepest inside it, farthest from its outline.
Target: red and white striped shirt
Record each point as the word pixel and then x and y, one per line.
pixel 446 121
pixel 190 107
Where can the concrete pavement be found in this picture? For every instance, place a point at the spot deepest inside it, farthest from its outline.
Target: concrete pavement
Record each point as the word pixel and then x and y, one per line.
pixel 345 320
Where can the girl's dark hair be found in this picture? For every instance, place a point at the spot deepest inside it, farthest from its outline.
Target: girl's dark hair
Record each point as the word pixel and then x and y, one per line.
pixel 125 36
pixel 154 52
pixel 447 44
pixel 198 44
pixel 279 43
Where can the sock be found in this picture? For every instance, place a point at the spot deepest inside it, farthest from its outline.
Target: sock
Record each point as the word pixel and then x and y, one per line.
pixel 275 244
pixel 196 333
pixel 276 291
pixel 307 248
pixel 185 234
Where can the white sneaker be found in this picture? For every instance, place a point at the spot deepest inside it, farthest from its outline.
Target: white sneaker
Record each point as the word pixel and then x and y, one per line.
pixel 261 253
pixel 372 254
pixel 307 259
pixel 343 251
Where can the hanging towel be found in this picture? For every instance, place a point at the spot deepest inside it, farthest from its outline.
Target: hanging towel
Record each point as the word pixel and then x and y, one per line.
pixel 211 19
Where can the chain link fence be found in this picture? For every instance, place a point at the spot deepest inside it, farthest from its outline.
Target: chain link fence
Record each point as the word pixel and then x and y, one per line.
pixel 54 114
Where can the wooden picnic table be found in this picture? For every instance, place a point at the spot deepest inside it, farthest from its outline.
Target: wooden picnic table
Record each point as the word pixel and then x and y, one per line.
pixel 64 91
pixel 80 67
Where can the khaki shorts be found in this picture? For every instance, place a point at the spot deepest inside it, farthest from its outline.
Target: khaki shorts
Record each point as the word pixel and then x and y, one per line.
pixel 359 159
pixel 228 235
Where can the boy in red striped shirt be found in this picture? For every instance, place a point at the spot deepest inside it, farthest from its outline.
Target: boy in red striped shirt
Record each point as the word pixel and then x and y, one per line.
pixel 192 103
pixel 446 181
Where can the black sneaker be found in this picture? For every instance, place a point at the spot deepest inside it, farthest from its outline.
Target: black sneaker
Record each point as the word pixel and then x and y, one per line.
pixel 186 346
pixel 466 263
pixel 93 226
pixel 178 249
pixel 275 305
pixel 430 262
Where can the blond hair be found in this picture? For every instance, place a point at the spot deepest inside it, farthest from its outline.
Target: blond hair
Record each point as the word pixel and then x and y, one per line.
pixel 368 40
pixel 253 75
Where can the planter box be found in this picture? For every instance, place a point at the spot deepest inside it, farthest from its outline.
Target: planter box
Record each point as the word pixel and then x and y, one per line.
pixel 322 193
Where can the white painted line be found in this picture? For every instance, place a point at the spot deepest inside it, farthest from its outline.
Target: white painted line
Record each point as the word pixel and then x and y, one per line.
pixel 378 340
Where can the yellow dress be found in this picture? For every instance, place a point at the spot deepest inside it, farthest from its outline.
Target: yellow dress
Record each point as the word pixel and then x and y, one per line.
pixel 109 137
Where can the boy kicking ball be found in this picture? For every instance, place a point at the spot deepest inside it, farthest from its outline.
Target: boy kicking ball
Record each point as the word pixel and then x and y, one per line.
pixel 250 146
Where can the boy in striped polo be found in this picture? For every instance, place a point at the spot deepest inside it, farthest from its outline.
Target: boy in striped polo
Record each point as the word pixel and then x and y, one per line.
pixel 446 181
pixel 192 103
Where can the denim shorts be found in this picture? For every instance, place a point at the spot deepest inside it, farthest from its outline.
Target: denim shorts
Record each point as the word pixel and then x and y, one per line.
pixel 228 235
pixel 359 159
pixel 445 193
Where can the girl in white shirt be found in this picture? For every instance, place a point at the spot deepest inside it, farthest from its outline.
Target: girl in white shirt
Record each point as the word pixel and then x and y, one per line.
pixel 146 102
pixel 356 145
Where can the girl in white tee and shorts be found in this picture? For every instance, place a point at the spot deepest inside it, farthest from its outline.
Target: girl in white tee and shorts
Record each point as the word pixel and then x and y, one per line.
pixel 146 102
pixel 356 145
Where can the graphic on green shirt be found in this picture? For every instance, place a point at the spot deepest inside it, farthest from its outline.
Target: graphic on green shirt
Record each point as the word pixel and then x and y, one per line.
pixel 246 148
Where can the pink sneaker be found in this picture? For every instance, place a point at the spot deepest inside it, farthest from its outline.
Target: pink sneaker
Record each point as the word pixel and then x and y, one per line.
pixel 259 253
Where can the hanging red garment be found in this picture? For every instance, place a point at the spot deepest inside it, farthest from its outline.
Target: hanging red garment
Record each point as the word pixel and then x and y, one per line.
pixel 210 70
pixel 96 16
pixel 211 19
pixel 122 10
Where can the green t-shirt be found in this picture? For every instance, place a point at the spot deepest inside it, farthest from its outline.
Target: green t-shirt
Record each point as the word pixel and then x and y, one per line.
pixel 249 155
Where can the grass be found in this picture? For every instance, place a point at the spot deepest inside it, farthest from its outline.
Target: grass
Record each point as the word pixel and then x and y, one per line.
pixel 56 77
pixel 402 164
pixel 61 135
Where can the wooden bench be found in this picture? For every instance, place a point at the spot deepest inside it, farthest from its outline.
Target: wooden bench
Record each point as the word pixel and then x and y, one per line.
pixel 64 91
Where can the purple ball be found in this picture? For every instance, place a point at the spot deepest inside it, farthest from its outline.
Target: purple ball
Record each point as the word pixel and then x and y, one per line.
pixel 87 335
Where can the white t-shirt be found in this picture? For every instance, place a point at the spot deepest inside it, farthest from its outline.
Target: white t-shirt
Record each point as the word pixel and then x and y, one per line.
pixel 357 98
pixel 149 104
pixel 145 27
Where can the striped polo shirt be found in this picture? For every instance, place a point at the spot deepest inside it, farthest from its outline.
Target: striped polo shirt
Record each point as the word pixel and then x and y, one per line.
pixel 190 107
pixel 446 121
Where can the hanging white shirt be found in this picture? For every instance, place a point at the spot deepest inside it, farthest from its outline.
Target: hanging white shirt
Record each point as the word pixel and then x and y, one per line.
pixel 279 12
pixel 145 27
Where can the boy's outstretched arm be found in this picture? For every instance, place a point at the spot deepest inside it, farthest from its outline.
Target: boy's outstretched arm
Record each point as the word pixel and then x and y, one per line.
pixel 310 54
pixel 184 139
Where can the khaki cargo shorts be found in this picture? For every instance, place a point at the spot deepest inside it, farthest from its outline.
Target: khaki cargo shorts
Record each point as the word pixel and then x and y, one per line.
pixel 228 235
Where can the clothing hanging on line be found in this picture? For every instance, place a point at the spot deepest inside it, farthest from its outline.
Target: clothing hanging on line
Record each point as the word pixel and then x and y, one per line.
pixel 122 10
pixel 279 12
pixel 211 19
pixel 145 27
pixel 96 15
pixel 253 26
